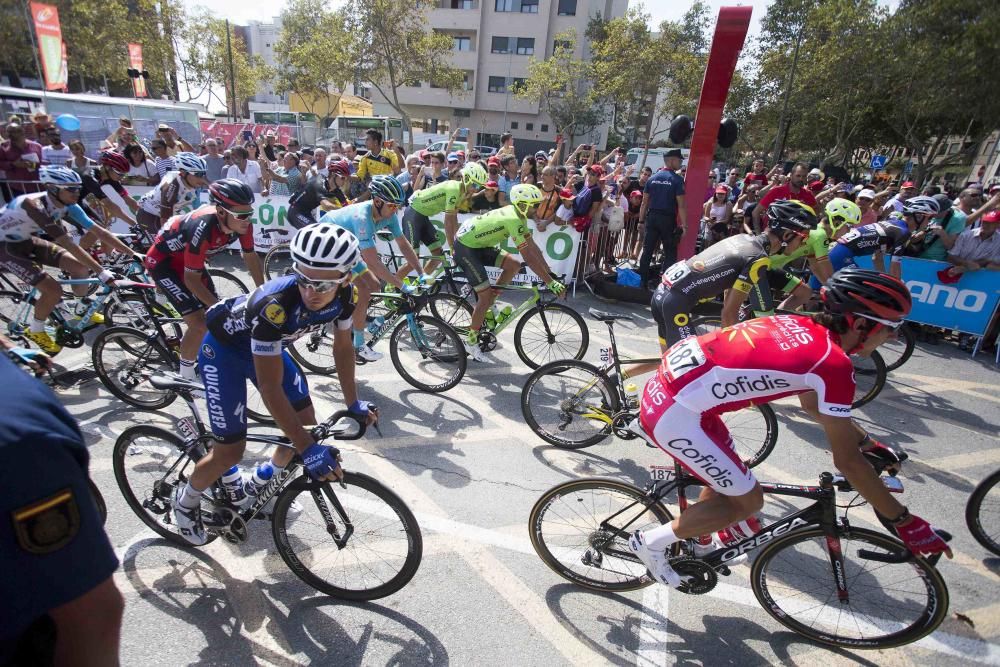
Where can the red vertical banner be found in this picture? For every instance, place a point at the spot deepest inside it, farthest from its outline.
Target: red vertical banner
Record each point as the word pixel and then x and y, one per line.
pixel 50 45
pixel 135 62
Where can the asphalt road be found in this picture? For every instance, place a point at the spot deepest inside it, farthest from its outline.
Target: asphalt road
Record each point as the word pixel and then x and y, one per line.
pixel 471 470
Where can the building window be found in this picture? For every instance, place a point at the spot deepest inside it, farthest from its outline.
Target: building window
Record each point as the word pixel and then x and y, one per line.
pixel 497 84
pixel 513 124
pixel 529 126
pixel 500 45
pixel 456 4
pixel 560 44
pixel 529 6
pixel 525 46
pixel 504 5
pixel 463 113
pixel 567 7
pixel 545 128
pixel 953 148
pixel 516 84
pixel 467 79
pixel 463 44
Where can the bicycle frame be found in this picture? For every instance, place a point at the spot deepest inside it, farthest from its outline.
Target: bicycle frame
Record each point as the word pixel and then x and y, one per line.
pixel 410 305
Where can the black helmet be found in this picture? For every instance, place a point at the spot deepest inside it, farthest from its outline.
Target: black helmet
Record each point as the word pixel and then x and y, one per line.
pixel 230 192
pixel 789 215
pixel 854 291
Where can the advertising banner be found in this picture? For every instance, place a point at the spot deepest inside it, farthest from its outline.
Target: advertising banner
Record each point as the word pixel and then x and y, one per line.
pixel 50 44
pixel 135 62
pixel 232 134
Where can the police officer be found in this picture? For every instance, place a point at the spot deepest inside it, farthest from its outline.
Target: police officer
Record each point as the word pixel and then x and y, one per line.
pixel 58 602
pixel 662 211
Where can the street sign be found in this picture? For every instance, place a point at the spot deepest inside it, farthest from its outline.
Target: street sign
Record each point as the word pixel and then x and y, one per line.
pixel 878 162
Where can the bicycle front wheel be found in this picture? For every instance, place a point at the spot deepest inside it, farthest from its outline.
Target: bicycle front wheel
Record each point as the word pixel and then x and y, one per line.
pixel 550 332
pixel 356 542
pixel 869 377
pixel 125 359
pixel 429 354
pixel 455 311
pixel 569 404
pixel 278 261
pixel 226 284
pixel 754 431
pixel 896 352
pixel 889 603
pixel 315 350
pixel 982 515
pixel 580 529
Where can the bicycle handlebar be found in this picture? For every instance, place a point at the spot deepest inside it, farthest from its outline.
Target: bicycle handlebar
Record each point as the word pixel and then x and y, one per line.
pixel 330 427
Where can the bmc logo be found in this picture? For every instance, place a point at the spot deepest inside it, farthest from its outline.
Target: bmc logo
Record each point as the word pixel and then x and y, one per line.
pixel 970 301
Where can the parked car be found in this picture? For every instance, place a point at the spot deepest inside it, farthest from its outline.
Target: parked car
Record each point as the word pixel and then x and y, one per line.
pixel 486 151
pixel 456 146
pixel 654 159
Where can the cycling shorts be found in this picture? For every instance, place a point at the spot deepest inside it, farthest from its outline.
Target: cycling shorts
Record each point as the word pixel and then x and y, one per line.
pixel 172 285
pixel 225 370
pixel 148 221
pixel 698 441
pixel 418 229
pixel 672 313
pixel 840 256
pixel 298 218
pixel 25 259
pixel 473 263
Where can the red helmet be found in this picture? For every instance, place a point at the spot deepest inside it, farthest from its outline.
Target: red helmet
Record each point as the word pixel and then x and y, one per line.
pixel 340 167
pixel 114 160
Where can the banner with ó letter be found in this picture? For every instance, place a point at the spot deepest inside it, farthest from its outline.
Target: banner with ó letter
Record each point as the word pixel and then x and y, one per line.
pixel 50 44
pixel 135 62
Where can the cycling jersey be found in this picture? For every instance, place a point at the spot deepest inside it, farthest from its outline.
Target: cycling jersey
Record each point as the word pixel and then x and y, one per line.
pixel 816 245
pixel 888 236
pixel 440 198
pixel 491 229
pixel 171 194
pixel 375 165
pixel 35 213
pixel 92 185
pixel 753 362
pixel 357 219
pixel 186 240
pixel 310 196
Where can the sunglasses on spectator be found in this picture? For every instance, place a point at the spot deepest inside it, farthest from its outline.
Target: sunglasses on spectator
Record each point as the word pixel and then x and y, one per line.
pixel 452 161
pixel 886 323
pixel 320 286
pixel 239 215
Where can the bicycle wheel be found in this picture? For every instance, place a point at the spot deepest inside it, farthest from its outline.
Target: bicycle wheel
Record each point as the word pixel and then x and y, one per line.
pixel 11 308
pixel 550 332
pixel 256 409
pixel 130 310
pixel 356 543
pixel 102 507
pixel 125 359
pixel 569 404
pixel 277 261
pixel 580 529
pixel 981 514
pixel 430 356
pixel 149 463
pixel 890 603
pixel 226 284
pixel 453 310
pixel 704 324
pixel 753 437
pixel 315 350
pixel 869 376
pixel 897 351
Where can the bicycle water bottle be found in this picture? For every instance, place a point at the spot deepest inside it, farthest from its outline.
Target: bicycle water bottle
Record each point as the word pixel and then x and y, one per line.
pixel 632 394
pixel 376 324
pixel 491 317
pixel 232 481
pixel 504 314
pixel 739 531
pixel 262 474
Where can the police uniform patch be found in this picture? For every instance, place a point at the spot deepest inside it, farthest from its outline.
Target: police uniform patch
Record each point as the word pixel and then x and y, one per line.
pixel 49 524
pixel 275 314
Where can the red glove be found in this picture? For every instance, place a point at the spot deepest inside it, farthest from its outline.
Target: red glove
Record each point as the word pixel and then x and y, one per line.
pixel 920 537
pixel 882 456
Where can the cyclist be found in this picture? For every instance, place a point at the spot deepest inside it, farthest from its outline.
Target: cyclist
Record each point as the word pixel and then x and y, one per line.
pixel 760 361
pixel 177 190
pixel 23 253
pixel 246 341
pixel 316 194
pixel 739 262
pixel 838 216
pixel 176 260
pixel 340 176
pixel 477 245
pixel 106 187
pixel 885 237
pixel 445 197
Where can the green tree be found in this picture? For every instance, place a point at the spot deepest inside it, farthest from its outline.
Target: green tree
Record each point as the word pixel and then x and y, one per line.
pixel 16 57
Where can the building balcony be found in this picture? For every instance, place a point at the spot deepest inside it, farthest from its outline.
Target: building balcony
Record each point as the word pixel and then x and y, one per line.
pixel 436 97
pixel 454 19
pixel 467 60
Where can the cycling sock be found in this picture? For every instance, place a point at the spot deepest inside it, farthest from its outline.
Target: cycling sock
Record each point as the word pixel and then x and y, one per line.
pixel 359 337
pixel 661 537
pixel 187 369
pixel 473 337
pixel 37 326
pixel 190 497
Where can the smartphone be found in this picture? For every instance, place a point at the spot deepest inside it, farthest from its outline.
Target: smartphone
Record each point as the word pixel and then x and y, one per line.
pixel 463 133
pixel 587 147
pixel 247 135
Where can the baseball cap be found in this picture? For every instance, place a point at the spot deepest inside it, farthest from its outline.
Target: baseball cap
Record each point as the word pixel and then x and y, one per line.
pixel 995 187
pixel 816 185
pixel 596 169
pixel 567 193
pixel 721 190
pixel 866 193
pixel 162 126
pixel 542 155
pixel 944 203
pixel 423 155
pixel 452 157
pixel 908 184
pixel 460 154
pixel 636 193
pixel 492 185
pixel 493 160
pixel 815 172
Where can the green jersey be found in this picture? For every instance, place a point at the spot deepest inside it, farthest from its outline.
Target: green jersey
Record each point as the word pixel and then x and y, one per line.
pixel 440 198
pixel 816 245
pixel 491 229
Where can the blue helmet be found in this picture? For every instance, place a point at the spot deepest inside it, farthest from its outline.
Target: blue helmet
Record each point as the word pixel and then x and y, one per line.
pixel 387 189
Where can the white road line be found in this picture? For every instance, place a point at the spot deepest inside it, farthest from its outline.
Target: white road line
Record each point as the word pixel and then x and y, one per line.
pixel 653 630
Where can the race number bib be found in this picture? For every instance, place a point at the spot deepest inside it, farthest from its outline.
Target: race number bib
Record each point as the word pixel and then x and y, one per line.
pixel 673 274
pixel 682 358
pixel 850 236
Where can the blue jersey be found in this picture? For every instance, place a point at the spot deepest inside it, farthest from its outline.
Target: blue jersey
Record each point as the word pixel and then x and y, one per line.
pixel 357 218
pixel 53 548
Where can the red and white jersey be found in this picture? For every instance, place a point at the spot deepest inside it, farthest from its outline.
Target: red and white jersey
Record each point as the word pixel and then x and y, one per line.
pixel 759 361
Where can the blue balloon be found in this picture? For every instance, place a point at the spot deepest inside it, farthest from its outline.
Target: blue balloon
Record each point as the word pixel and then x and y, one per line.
pixel 68 122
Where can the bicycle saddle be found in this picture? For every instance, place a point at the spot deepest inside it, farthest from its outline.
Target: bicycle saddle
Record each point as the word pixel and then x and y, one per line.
pixel 608 317
pixel 174 382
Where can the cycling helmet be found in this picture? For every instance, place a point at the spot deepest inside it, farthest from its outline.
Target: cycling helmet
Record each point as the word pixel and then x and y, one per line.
pixel 789 215
pixel 921 204
pixel 854 291
pixel 114 160
pixel 59 176
pixel 325 246
pixel 525 195
pixel 473 172
pixel 230 192
pixel 340 167
pixel 190 163
pixel 840 211
pixel 387 189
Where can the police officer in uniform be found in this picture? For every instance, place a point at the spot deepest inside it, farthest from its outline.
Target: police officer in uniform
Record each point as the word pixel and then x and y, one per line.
pixel 662 211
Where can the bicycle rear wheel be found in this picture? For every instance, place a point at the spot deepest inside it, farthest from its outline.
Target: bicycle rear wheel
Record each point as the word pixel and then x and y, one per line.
pixel 429 356
pixel 580 529
pixel 130 310
pixel 11 307
pixel 277 262
pixel 889 604
pixel 356 542
pixel 226 284
pixel 754 431
pixel 982 515
pixel 549 332
pixel 569 404
pixel 125 359
pixel 315 350
pixel 455 311
pixel 869 377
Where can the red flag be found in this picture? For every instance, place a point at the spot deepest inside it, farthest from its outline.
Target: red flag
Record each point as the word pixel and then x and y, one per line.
pixel 50 45
pixel 135 62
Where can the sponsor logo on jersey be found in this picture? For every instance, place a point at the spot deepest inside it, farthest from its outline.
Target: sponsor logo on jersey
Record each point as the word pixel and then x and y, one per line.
pixel 275 314
pixel 698 265
pixel 216 414
pixel 208 351
pixel 705 463
pixel 748 385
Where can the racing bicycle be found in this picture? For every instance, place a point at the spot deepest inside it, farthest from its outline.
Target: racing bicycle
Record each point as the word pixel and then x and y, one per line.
pixel 353 539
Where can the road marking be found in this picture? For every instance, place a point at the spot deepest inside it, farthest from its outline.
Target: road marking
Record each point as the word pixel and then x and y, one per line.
pixel 653 627
pixel 989 457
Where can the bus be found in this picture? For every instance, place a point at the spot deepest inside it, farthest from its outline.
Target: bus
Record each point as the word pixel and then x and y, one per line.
pixel 353 128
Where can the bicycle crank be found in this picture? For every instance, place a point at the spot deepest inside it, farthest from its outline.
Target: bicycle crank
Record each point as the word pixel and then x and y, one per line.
pixel 701 578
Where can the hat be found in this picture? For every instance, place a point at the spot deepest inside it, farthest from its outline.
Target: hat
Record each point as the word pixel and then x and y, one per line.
pixel 990 217
pixel 162 126
pixel 543 155
pixel 40 115
pixel 635 193
pixel 596 169
pixel 995 187
pixel 674 152
pixel 866 193
pixel 721 190
pixel 944 203
pixel 946 277
pixel 567 193
pixel 460 154
pixel 492 185
pixel 908 184
pixel 452 157
pixel 493 160
pixel 816 172
pixel 816 186
pixel 423 155
pixel 858 188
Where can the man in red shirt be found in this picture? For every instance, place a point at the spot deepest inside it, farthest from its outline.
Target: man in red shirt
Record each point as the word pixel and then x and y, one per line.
pixel 20 158
pixel 793 189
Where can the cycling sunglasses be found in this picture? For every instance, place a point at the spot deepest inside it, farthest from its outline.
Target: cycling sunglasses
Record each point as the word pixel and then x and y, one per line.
pixel 320 286
pixel 886 323
pixel 239 215
pixel 75 189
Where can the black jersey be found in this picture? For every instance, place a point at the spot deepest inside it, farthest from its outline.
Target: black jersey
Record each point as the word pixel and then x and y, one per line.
pixel 311 195
pixel 889 236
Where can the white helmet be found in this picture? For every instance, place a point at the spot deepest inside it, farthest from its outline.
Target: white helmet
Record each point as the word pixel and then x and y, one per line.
pixel 921 204
pixel 191 163
pixel 324 245
pixel 59 176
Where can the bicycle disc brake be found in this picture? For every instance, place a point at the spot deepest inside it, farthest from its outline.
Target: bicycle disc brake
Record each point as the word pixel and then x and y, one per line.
pixel 701 578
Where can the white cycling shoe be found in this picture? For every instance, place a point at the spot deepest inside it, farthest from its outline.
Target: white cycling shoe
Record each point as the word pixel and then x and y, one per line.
pixel 366 353
pixel 476 352
pixel 655 561
pixel 188 521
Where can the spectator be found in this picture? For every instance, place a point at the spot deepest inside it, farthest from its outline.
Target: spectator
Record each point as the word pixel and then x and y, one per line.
pixel 734 184
pixel 41 123
pixel 506 145
pixel 793 189
pixel 943 231
pixel 215 162
pixel 246 170
pixel 173 141
pixel 509 178
pixel 268 148
pixel 663 213
pixel 475 156
pixel 541 160
pixel 320 167
pixel 413 178
pixel 488 198
pixel 969 200
pixel 20 158
pixel 461 158
pixel 123 136
pixel 453 167
pixel 906 191
pixel 865 201
pixel 163 162
pixel 718 212
pixel 380 160
pixel 931 191
pixel 227 160
pixel 757 174
pixel 436 172
pixel 710 190
pixel 529 170
pixel 562 174
pixel 294 146
pixel 351 154
pixel 743 209
pixel 546 211
pixel 78 161
pixel 141 170
pixel 56 153
pixel 287 179
pixel 815 181
pixel 975 250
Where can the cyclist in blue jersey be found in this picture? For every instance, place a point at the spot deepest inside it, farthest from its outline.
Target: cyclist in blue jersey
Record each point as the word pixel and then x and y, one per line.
pixel 364 220
pixel 246 341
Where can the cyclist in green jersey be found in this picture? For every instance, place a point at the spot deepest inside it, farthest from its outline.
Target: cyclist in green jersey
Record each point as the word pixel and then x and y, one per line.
pixel 445 197
pixel 477 245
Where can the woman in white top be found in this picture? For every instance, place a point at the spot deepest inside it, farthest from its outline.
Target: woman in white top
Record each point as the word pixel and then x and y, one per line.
pixel 141 170
pixel 245 170
pixel 79 163
pixel 719 209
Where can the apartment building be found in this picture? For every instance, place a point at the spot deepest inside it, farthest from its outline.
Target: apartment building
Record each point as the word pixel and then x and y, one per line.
pixel 493 43
pixel 261 38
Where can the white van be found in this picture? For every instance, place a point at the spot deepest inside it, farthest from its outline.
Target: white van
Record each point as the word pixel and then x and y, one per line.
pixel 654 159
